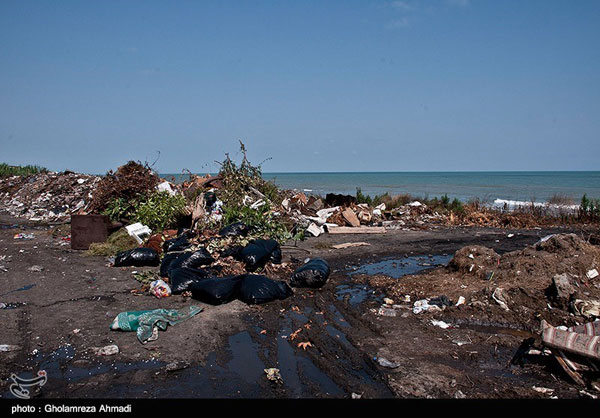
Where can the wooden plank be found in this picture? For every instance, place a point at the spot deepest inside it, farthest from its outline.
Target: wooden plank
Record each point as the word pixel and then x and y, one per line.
pixel 350 244
pixel 357 230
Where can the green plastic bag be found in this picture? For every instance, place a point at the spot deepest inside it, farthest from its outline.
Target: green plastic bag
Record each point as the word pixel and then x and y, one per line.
pixel 147 323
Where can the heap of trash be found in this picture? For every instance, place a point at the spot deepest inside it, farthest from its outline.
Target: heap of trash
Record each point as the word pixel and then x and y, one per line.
pixel 47 197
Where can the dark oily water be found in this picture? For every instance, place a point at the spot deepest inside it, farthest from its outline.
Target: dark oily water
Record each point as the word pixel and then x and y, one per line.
pixel 398 267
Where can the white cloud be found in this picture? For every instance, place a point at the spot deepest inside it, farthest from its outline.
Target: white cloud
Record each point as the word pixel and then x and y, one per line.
pixel 402 22
pixel 403 6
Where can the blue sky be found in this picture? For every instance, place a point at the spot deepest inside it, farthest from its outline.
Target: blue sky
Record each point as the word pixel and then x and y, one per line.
pixel 313 85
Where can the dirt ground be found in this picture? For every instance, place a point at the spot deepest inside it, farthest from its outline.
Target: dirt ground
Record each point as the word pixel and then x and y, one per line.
pixel 325 342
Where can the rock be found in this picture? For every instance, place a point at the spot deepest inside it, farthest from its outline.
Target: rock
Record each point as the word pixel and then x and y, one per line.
pixel 561 290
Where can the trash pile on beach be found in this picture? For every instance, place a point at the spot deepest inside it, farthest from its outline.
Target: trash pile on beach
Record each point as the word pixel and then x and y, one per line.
pixel 47 197
pixel 550 289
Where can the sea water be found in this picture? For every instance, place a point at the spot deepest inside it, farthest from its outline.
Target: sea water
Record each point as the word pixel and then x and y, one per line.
pixel 523 186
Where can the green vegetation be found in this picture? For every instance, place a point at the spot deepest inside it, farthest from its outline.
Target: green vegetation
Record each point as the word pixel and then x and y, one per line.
pixel 590 208
pixel 117 241
pixel 262 222
pixel 20 170
pixel 244 180
pixel 157 210
pixel 442 204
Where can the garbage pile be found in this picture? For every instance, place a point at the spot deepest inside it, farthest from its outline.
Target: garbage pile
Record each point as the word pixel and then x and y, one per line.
pixel 342 214
pixel 47 197
pixel 224 274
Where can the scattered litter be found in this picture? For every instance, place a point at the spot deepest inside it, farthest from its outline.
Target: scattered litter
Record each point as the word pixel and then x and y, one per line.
pixel 109 350
pixel 23 236
pixel 147 323
pixel 160 289
pixel 592 274
pixel 349 245
pixel 440 324
pixel 273 375
pixel 386 363
pixel 8 347
pixel 424 306
pixel 500 298
pixel 138 231
pixel 35 268
pixel 386 312
pixel 543 390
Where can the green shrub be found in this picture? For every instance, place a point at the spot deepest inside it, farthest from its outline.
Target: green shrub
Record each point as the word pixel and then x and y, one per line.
pixel 20 170
pixel 158 210
pixel 261 221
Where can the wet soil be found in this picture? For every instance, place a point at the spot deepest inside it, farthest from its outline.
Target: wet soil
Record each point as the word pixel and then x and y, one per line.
pixel 327 343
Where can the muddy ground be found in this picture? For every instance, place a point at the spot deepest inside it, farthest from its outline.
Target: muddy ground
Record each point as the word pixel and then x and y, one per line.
pixel 56 315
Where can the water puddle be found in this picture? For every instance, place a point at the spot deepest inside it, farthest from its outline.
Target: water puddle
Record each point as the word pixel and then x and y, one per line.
pixel 397 268
pixel 29 286
pixel 300 374
pixel 355 294
pixel 245 361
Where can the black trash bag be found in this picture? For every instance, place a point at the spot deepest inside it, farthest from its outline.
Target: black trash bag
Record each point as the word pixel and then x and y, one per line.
pixel 235 230
pixel 441 301
pixel 189 259
pixel 165 265
pixel 232 252
pixel 313 274
pixel 210 198
pixel 216 290
pixel 256 289
pixel 181 279
pixel 176 244
pixel 137 257
pixel 258 252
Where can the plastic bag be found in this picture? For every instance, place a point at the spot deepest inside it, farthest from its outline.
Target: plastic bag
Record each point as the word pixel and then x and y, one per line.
pixel 313 274
pixel 137 257
pixel 165 265
pixel 255 289
pixel 190 259
pixel 160 289
pixel 258 252
pixel 176 244
pixel 216 290
pixel 234 230
pixel 182 278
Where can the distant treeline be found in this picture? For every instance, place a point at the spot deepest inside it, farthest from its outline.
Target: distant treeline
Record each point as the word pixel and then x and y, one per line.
pixel 20 170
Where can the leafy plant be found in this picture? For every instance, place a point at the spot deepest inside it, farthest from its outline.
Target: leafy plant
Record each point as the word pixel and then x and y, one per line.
pixel 159 210
pixel 262 222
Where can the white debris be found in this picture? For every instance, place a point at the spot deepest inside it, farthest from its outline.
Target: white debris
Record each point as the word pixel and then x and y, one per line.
pixel 440 324
pixel 109 350
pixel 138 231
pixel 165 187
pixel 592 274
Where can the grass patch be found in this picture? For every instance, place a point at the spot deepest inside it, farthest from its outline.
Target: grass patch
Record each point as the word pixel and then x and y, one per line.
pixel 117 241
pixel 20 170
